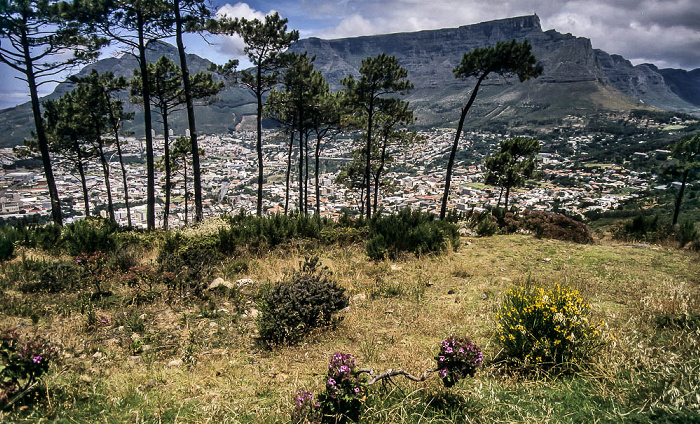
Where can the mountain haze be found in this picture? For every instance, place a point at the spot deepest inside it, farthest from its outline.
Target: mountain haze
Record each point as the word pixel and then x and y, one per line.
pixel 577 79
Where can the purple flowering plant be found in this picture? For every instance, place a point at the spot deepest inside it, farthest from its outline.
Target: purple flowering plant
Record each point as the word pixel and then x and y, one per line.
pixel 457 359
pixel 307 410
pixel 22 362
pixel 346 390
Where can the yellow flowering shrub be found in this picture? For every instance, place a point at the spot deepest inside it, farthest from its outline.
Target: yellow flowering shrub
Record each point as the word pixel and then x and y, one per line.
pixel 539 327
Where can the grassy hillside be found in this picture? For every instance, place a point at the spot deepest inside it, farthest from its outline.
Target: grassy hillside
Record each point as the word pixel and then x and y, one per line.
pixel 125 358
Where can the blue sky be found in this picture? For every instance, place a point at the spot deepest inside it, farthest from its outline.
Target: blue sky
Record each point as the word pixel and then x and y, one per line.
pixel 663 32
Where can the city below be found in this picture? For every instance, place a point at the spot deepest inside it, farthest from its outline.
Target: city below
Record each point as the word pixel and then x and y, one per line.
pixel 414 179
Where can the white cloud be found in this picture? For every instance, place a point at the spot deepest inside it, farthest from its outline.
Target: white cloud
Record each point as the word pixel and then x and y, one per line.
pixel 241 10
pixel 353 26
pixel 663 31
pixel 232 45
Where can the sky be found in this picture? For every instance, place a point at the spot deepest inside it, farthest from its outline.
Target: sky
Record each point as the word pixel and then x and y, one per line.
pixel 663 32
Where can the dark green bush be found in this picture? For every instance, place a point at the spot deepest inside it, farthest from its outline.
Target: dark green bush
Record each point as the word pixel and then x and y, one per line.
pixel 53 277
pixel 486 225
pixel 251 231
pixel 555 226
pixel 290 309
pixel 7 247
pixel 90 235
pixel 687 233
pixel 409 231
pixel 46 237
pixel 191 261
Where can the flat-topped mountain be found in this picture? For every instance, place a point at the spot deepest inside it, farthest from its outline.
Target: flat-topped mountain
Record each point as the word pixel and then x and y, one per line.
pixel 577 79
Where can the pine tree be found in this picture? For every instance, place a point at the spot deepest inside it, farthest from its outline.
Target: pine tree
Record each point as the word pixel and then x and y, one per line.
pixel 380 77
pixel 35 36
pixel 265 45
pixel 505 59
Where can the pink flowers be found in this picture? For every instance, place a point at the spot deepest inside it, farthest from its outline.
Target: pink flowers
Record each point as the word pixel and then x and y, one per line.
pixel 458 357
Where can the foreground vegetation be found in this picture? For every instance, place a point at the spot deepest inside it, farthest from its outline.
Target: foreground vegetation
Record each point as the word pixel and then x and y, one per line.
pixel 141 333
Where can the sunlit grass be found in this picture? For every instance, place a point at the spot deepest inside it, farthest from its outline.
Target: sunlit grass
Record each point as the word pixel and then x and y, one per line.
pixel 199 368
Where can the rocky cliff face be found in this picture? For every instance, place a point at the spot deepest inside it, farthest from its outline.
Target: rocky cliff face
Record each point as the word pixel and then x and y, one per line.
pixel 577 78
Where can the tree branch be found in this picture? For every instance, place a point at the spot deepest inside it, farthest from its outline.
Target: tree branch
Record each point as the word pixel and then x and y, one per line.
pixel 373 378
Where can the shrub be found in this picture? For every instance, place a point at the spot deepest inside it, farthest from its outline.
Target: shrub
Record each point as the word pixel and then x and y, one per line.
pixel 409 231
pixel 7 247
pixel 22 363
pixel 307 410
pixel 94 271
pixel 190 261
pixel 545 328
pixel 641 228
pixel 51 277
pixel 90 235
pixel 687 233
pixel 458 358
pixel 346 390
pixel 486 225
pixel 289 309
pixel 46 237
pixel 555 226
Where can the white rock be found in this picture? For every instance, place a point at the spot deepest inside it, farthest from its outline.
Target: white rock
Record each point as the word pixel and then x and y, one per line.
pixel 244 282
pixel 220 282
pixel 175 363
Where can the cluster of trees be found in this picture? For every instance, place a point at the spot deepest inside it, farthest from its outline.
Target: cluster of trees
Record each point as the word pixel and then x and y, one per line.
pixel 286 86
pixel 37 34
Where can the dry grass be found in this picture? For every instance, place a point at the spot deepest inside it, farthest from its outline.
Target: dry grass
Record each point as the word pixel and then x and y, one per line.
pixel 399 313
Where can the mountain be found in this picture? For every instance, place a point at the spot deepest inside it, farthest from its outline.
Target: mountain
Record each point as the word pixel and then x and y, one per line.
pixel 577 79
pixel 221 116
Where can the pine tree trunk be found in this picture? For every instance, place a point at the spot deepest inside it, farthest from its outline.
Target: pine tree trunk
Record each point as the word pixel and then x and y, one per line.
pixel 196 173
pixel 81 172
pixel 505 205
pixel 258 146
pixel 166 153
pixel 115 130
pixel 679 199
pixel 150 166
pixel 379 175
pixel 368 155
pixel 317 179
pixel 306 175
pixel 289 170
pixel 41 134
pixel 453 152
pixel 105 171
pixel 184 160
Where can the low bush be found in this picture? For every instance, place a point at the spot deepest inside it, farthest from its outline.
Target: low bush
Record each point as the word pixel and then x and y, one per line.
pixel 22 363
pixel 643 229
pixel 90 235
pixel 7 247
pixel 346 390
pixel 687 233
pixel 409 231
pixel 342 400
pixel 555 226
pixel 457 359
pixel 52 277
pixel 539 328
pixel 308 300
pixel 190 260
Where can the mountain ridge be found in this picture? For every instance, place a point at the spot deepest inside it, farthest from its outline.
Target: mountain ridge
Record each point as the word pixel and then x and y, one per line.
pixel 578 79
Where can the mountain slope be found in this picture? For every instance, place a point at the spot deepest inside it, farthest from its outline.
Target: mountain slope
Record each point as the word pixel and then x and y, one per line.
pixel 577 79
